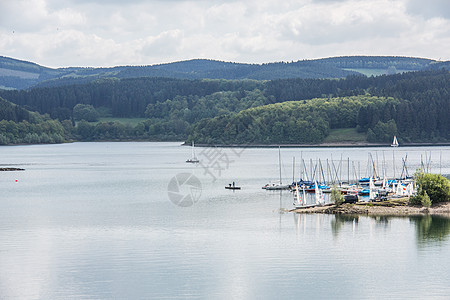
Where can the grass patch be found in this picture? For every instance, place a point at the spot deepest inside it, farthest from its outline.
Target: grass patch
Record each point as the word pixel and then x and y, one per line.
pixel 346 135
pixel 375 72
pixel 130 121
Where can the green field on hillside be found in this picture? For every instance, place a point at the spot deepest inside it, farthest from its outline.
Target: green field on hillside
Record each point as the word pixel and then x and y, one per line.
pixel 130 121
pixel 345 135
pixel 375 72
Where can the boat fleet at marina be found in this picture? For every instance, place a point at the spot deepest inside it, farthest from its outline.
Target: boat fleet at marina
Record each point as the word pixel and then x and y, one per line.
pixel 370 188
pixel 310 189
pixel 375 189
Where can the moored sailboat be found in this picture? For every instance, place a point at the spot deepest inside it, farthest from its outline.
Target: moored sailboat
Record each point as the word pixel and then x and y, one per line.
pixel 277 185
pixel 194 158
pixel 299 202
pixel 394 142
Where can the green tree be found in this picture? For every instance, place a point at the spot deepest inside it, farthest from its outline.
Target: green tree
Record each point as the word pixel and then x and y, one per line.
pixel 382 132
pixel 84 130
pixel 85 112
pixel 434 186
pixel 426 201
pixel 336 196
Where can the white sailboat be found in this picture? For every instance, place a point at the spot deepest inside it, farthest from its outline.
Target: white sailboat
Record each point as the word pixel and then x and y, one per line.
pixel 372 193
pixel 394 142
pixel 277 185
pixel 299 202
pixel 194 158
pixel 319 194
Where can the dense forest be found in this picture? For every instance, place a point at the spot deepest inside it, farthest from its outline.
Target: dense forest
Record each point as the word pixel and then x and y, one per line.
pixel 414 106
pixel 19 126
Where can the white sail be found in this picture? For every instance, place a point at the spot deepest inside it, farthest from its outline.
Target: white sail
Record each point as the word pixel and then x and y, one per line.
pixel 372 189
pixel 318 193
pixel 297 195
pixel 395 142
pixel 399 190
pixel 410 189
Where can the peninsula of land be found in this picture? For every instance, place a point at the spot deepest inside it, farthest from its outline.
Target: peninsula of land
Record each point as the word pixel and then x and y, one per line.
pixel 386 208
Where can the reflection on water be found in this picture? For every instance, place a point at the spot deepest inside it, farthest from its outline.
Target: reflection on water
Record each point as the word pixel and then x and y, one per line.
pixel 431 229
pixel 340 220
pixel 381 221
pixel 94 221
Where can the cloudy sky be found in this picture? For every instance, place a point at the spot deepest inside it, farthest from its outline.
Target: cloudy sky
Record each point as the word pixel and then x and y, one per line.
pixel 59 33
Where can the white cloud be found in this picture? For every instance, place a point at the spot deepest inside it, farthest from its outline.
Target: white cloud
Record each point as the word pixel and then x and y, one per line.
pixel 104 33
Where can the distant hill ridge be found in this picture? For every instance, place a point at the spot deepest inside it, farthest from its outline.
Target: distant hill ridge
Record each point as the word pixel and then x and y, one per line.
pixel 19 74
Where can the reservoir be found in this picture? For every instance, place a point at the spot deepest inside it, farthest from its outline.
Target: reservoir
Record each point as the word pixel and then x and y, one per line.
pixel 134 220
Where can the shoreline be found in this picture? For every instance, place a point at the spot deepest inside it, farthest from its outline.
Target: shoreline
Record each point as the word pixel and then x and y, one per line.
pixel 398 208
pixel 324 145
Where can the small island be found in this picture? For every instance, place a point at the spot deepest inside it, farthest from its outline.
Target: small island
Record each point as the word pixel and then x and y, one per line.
pixel 11 169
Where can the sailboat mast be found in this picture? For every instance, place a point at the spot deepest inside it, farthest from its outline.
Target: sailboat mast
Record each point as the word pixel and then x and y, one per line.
pixel 293 168
pixel 279 161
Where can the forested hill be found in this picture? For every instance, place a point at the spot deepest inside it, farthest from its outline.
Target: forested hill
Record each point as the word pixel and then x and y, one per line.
pixel 415 106
pixel 17 74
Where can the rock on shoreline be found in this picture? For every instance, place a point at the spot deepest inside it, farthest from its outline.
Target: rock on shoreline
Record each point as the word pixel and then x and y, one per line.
pixel 11 169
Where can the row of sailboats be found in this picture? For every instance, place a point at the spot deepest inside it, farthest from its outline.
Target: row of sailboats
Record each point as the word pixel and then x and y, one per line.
pixel 396 190
pixel 301 201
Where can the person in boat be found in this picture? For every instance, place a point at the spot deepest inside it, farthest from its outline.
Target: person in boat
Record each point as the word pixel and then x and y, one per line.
pixel 233 183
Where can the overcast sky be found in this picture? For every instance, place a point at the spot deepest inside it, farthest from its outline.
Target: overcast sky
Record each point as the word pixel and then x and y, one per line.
pixel 59 33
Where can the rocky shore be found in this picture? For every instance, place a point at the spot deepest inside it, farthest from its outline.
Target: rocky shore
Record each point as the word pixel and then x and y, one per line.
pixel 387 208
pixel 11 169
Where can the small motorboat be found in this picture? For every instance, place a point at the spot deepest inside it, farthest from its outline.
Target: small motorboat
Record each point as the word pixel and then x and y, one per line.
pixel 232 186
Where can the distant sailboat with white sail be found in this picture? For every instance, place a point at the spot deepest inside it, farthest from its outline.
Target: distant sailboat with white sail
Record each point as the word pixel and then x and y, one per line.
pixel 277 185
pixel 194 158
pixel 394 142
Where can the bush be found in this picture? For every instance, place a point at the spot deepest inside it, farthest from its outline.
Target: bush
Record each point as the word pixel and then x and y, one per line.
pixel 426 201
pixel 336 196
pixel 436 186
pixel 415 200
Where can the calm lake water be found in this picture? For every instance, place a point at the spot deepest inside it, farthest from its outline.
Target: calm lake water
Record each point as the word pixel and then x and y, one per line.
pixel 133 220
